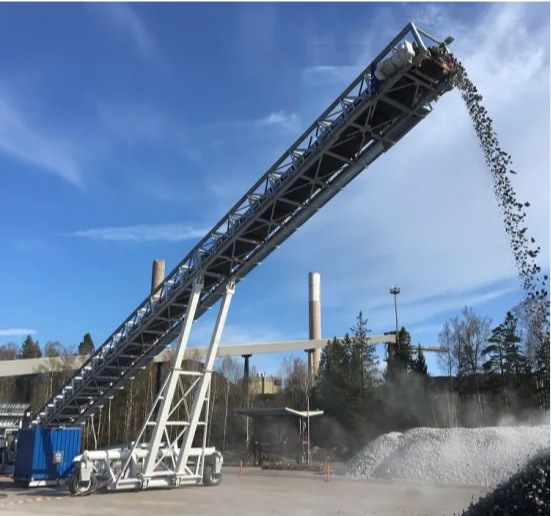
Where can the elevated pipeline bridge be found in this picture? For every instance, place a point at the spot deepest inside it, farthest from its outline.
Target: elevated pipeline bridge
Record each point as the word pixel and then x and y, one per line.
pixel 386 101
pixel 22 367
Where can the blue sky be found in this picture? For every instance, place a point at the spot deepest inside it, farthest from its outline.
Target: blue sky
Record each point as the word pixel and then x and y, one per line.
pixel 128 130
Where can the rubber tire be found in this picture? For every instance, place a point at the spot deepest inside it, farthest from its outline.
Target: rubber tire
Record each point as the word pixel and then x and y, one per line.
pixel 211 479
pixel 75 489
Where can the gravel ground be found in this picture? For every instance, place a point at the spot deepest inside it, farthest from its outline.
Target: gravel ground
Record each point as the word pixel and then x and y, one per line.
pixel 460 456
pixel 523 494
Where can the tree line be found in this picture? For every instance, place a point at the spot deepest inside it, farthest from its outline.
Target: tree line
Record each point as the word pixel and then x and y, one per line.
pixel 495 372
pixel 490 372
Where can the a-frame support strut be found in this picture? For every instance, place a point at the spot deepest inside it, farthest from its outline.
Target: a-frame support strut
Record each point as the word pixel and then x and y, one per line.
pixel 163 454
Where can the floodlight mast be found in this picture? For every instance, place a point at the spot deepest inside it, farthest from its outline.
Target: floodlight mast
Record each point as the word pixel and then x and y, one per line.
pixel 395 291
pixel 388 99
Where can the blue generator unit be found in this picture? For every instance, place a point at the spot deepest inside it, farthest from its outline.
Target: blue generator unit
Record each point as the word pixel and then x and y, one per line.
pixel 45 455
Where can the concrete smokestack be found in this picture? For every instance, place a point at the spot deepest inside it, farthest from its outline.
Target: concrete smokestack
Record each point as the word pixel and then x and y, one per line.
pixel 158 274
pixel 314 317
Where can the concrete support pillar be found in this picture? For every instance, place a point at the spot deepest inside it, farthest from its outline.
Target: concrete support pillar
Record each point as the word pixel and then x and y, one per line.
pixel 159 377
pixel 246 373
pixel 157 275
pixel 263 378
pixel 314 318
pixel 309 353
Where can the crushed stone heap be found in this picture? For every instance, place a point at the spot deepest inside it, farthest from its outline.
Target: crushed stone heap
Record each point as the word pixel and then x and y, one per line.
pixel 461 456
pixel 526 492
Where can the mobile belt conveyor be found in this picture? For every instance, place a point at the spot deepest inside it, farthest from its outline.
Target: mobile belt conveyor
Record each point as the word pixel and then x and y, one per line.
pixel 390 97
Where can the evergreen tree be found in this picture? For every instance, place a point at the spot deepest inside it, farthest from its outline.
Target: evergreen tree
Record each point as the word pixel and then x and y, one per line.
pixel 331 378
pixel 364 353
pixel 343 379
pixel 405 391
pixel 26 384
pixel 503 351
pixel 330 393
pixel 419 364
pixel 86 346
pixel 29 349
pixel 495 352
pixel 515 360
pixel 399 356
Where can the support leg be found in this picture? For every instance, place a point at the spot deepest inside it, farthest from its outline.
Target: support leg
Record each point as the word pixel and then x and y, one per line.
pixel 204 382
pixel 169 390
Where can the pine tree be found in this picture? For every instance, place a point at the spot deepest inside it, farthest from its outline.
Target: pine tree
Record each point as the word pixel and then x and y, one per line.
pixel 419 364
pixel 29 349
pixel 495 352
pixel 344 377
pixel 86 346
pixel 26 384
pixel 364 352
pixel 399 356
pixel 404 394
pixel 331 378
pixel 515 360
pixel 503 350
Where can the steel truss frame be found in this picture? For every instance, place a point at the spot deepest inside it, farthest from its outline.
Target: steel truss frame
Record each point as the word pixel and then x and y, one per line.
pixel 358 127
pixel 163 454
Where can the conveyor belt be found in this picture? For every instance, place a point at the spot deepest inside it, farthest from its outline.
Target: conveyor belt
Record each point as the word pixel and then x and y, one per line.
pixel 359 126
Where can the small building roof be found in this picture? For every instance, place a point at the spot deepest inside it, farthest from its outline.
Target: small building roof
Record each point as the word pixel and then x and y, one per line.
pixel 278 412
pixel 11 414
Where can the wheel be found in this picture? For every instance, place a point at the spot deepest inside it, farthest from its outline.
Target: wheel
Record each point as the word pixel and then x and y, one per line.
pixel 210 478
pixel 78 487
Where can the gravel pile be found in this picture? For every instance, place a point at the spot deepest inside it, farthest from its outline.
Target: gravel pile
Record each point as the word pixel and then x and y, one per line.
pixel 461 456
pixel 525 493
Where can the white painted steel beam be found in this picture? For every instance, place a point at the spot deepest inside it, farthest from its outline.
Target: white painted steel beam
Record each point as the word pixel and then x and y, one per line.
pixel 170 389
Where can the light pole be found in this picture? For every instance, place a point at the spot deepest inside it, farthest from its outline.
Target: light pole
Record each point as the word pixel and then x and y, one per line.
pixel 395 291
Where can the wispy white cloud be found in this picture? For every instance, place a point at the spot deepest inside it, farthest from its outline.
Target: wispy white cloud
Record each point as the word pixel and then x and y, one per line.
pixel 143 233
pixel 19 139
pixel 289 121
pixel 16 332
pixel 415 312
pixel 277 119
pixel 125 20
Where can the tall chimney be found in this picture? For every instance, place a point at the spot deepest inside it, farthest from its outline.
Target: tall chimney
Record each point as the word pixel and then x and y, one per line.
pixel 314 317
pixel 157 276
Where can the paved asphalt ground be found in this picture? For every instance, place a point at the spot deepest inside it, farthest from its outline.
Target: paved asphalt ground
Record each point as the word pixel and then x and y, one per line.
pixel 255 493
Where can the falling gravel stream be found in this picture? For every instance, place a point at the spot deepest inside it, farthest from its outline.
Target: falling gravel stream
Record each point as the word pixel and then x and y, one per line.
pixel 499 163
